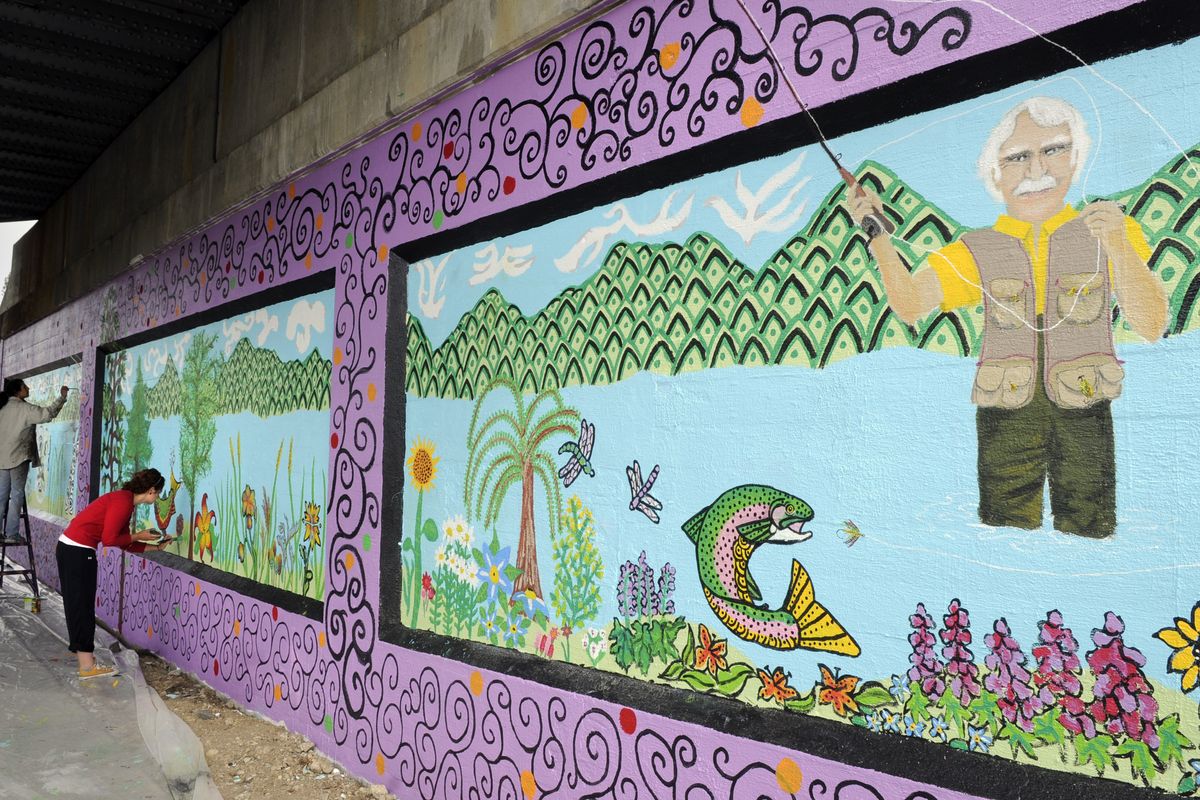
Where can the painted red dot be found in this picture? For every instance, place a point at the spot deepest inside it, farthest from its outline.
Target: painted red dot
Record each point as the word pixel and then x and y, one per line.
pixel 262 276
pixel 275 613
pixel 216 667
pixel 333 440
pixel 448 150
pixel 510 184
pixel 228 266
pixel 628 720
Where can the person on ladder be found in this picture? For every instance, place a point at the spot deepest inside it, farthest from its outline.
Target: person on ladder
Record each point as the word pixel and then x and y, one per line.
pixel 18 449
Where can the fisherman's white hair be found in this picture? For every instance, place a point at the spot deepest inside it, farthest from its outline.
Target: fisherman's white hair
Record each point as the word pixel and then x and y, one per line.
pixel 1049 112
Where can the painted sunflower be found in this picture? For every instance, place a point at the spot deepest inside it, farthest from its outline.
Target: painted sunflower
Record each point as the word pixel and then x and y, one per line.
pixel 312 524
pixel 422 466
pixel 1184 638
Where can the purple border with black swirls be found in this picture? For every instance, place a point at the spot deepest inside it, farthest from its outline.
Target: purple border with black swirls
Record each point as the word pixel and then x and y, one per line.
pixel 642 82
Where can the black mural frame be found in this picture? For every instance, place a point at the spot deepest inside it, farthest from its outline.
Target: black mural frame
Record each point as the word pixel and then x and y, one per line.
pixel 1151 23
pixel 283 599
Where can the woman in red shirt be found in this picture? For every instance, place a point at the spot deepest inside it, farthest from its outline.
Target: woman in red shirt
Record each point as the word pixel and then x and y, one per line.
pixel 106 520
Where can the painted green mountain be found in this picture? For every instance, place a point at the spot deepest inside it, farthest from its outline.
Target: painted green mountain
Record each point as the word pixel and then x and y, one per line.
pixel 675 308
pixel 253 379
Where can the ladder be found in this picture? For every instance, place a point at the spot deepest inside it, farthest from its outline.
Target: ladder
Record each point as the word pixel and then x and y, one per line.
pixel 16 570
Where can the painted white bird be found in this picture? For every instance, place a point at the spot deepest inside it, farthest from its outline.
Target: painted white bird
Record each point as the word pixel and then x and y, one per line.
pixel 431 284
pixel 776 219
pixel 490 263
pixel 589 246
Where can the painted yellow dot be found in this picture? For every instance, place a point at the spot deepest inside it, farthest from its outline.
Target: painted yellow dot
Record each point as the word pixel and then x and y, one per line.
pixel 477 683
pixel 752 112
pixel 528 784
pixel 278 692
pixel 668 55
pixel 380 764
pixel 371 392
pixel 321 639
pixel 789 776
pixel 337 355
pixel 579 116
pixel 461 182
pixel 349 560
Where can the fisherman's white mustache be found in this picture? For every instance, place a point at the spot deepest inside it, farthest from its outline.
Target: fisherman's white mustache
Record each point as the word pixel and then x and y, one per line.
pixel 1031 185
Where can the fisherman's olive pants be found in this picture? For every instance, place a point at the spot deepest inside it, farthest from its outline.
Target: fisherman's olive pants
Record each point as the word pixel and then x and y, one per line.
pixel 1020 449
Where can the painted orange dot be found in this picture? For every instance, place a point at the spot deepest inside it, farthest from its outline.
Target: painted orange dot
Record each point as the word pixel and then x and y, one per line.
pixel 237 627
pixel 349 560
pixel 320 221
pixel 789 776
pixel 579 116
pixel 528 784
pixel 270 224
pixel 337 355
pixel 380 764
pixel 668 55
pixel 752 112
pixel 150 631
pixel 371 392
pixel 416 132
pixel 321 639
pixel 196 587
pixel 383 251
pixel 203 278
pixel 461 182
pixel 308 261
pixel 477 683
pixel 291 190
pixel 278 692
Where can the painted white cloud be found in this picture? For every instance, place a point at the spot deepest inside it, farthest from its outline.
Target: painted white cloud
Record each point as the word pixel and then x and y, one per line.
pixel 154 361
pixel 589 246
pixel 750 221
pixel 302 321
pixel 429 293
pixel 489 262
pixel 233 330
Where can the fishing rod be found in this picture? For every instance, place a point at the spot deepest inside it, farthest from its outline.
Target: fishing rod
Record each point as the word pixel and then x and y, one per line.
pixel 873 224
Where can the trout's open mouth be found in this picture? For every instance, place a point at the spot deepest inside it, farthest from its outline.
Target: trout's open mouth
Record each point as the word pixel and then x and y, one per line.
pixel 787 529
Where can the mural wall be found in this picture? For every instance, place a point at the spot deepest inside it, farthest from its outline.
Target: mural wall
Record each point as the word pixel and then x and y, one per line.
pixel 51 486
pixel 235 414
pixel 609 415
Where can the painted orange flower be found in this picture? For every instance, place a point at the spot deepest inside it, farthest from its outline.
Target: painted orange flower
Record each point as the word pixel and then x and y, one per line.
pixel 1184 638
pixel 710 652
pixel 774 686
pixel 838 691
pixel 249 509
pixel 422 466
pixel 203 525
pixel 312 524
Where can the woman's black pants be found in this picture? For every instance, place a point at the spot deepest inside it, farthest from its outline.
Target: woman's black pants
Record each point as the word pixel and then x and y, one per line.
pixel 77 577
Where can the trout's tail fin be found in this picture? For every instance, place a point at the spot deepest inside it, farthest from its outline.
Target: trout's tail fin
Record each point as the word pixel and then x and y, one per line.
pixel 818 628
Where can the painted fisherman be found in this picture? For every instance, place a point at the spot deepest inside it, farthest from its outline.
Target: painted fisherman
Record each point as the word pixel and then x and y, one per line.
pixel 1046 275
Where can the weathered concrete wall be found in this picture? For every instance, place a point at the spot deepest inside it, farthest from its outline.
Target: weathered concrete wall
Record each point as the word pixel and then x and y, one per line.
pixel 284 85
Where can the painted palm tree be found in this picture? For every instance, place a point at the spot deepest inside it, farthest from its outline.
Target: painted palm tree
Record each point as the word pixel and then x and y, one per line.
pixel 510 448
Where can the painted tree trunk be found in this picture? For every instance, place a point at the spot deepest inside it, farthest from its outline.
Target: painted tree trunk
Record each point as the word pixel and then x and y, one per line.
pixel 528 580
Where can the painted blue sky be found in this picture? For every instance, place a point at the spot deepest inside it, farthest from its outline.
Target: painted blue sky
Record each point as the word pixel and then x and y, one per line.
pixel 935 153
pixel 292 329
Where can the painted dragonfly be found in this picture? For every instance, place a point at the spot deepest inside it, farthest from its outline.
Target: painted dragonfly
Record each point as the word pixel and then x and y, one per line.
pixel 640 497
pixel 581 454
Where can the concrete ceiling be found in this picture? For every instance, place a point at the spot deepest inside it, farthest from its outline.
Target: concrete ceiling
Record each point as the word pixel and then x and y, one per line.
pixel 74 73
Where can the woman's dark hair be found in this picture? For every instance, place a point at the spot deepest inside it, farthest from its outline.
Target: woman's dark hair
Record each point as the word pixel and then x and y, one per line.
pixel 145 480
pixel 11 387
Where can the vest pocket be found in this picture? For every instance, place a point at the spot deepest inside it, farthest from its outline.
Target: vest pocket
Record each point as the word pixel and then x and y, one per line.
pixel 1083 382
pixel 1008 302
pixel 1003 383
pixel 1080 297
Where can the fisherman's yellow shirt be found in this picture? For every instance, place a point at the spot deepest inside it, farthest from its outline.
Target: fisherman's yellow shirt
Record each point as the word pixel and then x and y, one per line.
pixel 959 275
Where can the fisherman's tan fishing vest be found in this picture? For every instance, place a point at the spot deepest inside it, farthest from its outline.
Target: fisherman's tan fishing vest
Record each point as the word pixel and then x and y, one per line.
pixel 1080 366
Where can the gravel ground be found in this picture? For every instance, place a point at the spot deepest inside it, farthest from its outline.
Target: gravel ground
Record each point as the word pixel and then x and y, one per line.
pixel 250 758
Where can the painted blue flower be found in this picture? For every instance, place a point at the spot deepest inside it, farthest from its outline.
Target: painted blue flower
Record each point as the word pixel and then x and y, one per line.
pixel 899 688
pixel 939 729
pixel 533 604
pixel 1195 765
pixel 514 633
pixel 874 722
pixel 978 739
pixel 493 575
pixel 891 720
pixel 491 623
pixel 911 727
